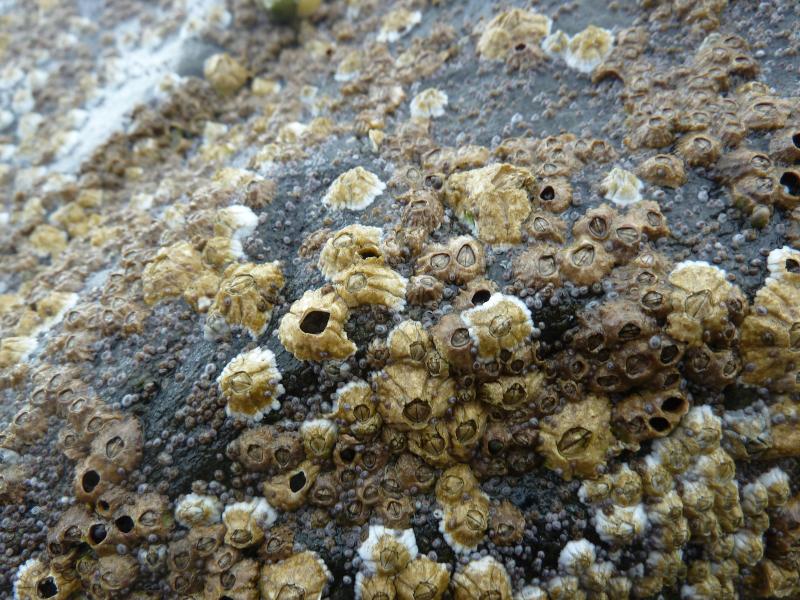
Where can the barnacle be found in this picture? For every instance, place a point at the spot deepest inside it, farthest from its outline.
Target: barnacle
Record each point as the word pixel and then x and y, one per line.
pixel 245 298
pixel 171 272
pixel 388 551
pixel 502 323
pixel 493 201
pixel 313 329
pixel 484 578
pixel 428 103
pixel 422 579
pixel 621 187
pixel 620 524
pixel 251 384
pixel 398 23
pixel 587 49
pixel 288 491
pixel 224 73
pixel 302 575
pixel 355 189
pixel 663 169
pixel 459 261
pixel 371 283
pixel 350 246
pixel 195 509
pixel 245 522
pixel 511 28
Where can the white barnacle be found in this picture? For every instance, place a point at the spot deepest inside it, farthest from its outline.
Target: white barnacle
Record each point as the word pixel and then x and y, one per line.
pixel 198 510
pixel 355 189
pixel 429 103
pixel 388 551
pixel 622 187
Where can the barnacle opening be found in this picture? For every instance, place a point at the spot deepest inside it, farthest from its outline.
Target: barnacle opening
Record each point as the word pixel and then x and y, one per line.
pixel 315 322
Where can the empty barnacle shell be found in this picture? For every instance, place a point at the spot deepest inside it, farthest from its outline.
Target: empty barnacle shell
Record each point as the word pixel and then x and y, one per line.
pixel 224 73
pixel 355 189
pixel 649 415
pixel 387 551
pixel 509 29
pixel 422 579
pixel 575 441
pixel 313 329
pixel 493 201
pixel 350 246
pixel 459 262
pixel 784 264
pixel 251 384
pixel 665 170
pixel 621 187
pixel 195 509
pixel 409 398
pixel 483 578
pixel 173 269
pixel 288 491
pixel 302 575
pixel 587 49
pixel 245 522
pixel 428 103
pixel 501 323
pixel 370 283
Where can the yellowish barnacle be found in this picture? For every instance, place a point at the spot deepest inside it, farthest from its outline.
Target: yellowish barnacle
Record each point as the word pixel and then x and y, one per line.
pixel 301 576
pixel 556 44
pixel 237 222
pixel 251 384
pixel 493 201
pixel 464 524
pixel 47 240
pixel 351 245
pixel 195 510
pixel 483 578
pixel 429 103
pixel 398 23
pixel 388 551
pixel 355 189
pixel 35 580
pixel 455 484
pixel 576 440
pixel 225 74
pixel 371 283
pixel 199 294
pixel 220 251
pixel 245 522
pixel 422 579
pixel 171 272
pixel 511 28
pixel 409 342
pixel 589 48
pixel 14 350
pixel 408 397
pixel 784 264
pixel 621 187
pixel 319 437
pixel 313 329
pixel 501 323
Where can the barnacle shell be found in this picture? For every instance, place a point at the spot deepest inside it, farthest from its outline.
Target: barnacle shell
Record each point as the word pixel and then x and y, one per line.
pixel 236 222
pixel 422 579
pixel 408 397
pixel 663 169
pixel 576 557
pixel 375 587
pixel 35 580
pixel 14 350
pixel 483 578
pixel 355 189
pixel 245 298
pixel 302 575
pixel 587 49
pixel 350 246
pixel 493 201
pixel 194 509
pixel 387 551
pixel 224 73
pixel 245 522
pixel 398 23
pixel 464 523
pixel 313 329
pixel 371 283
pixel 428 103
pixel 251 384
pixel 511 28
pixel 501 323
pixel 620 524
pixel 172 270
pixel 288 491
pixel 621 187
pixel 319 437
pixel 460 261
pixel 575 440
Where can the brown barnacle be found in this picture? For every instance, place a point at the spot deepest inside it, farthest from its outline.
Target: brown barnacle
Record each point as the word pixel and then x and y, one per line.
pixel 649 219
pixel 553 194
pixel 303 575
pixel 375 587
pixel 584 262
pixel 423 289
pixel 784 145
pixel 422 579
pixel 278 544
pixel 35 580
pixel 355 189
pixel 432 444
pixel 171 271
pixel 512 393
pixel 716 369
pixel 357 407
pixel 575 441
pixel 666 170
pixel 371 284
pixel 459 261
pixel 650 131
pixel 313 329
pixel 543 226
pixel 483 578
pixel 351 245
pixel 198 510
pixel 700 431
pixel 538 266
pixel 596 223
pixel 770 579
pixel 770 336
pixel 620 524
pixel 764 112
pixel 114 573
pixel 747 434
pixel 220 251
pixel 502 323
pixel 246 296
pixel 672 454
pixel 595 491
pixel 240 582
pixel 70 531
pixel 506 31
pixel 649 414
pixel 699 149
pixel 464 524
pixel 319 437
pixel 422 214
pixel 466 428
pixel 29 424
pixel 288 491
pixel 120 444
pixel 748 547
pixel 245 522
pixel 225 74
pixel 455 484
pixel 250 383
pixel 259 449
pixel 626 486
pixel 147 517
pixel 409 398
pixel 506 524
pixel 788 189
pixel 409 342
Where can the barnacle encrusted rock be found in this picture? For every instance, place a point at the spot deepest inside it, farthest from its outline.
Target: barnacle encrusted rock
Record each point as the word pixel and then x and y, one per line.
pixel 493 201
pixel 313 329
pixel 511 28
pixel 251 384
pixel 355 189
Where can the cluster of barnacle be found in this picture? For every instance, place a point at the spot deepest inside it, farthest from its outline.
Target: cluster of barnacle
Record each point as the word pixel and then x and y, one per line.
pixel 702 15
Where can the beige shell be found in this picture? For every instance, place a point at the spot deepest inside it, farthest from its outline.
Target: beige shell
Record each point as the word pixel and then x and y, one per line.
pixel 584 262
pixel 409 342
pixel 455 484
pixel 408 397
pixel 514 393
pixel 483 578
pixel 246 297
pixel 371 283
pixel 464 524
pixel 509 29
pixel 313 329
pixel 422 578
pixel 220 251
pixel 301 575
pixel 587 49
pixel 350 246
pixel 466 428
pixel 375 587
pixel 621 187
pixel 493 201
pixel 575 441
pixel 288 491
pixel 245 522
pixel 171 272
pixel 355 189
pixel 34 575
pixel 501 323
pixel 460 261
pixel 251 384
pixel 224 73
pixel 666 170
